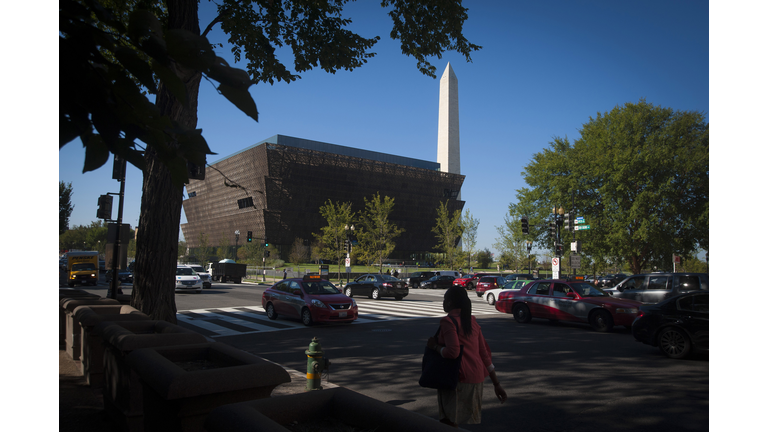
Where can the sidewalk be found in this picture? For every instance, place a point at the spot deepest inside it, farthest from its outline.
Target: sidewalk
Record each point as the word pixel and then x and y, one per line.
pixel 81 408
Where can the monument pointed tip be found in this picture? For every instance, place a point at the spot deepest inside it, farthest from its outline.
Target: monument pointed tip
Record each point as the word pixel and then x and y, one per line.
pixel 449 70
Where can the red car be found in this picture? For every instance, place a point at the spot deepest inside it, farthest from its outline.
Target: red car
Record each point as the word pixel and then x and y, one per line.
pixel 486 283
pixel 310 299
pixel 568 301
pixel 468 281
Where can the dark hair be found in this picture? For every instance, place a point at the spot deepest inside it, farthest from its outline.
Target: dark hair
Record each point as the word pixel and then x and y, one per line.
pixel 458 298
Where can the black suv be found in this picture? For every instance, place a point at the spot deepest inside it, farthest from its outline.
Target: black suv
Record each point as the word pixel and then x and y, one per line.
pixel 610 280
pixel 417 278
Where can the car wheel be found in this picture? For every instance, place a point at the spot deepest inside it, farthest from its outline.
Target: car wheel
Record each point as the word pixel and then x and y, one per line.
pixel 271 314
pixel 470 286
pixel 491 299
pixel 674 343
pixel 306 317
pixel 601 321
pixel 375 294
pixel 479 294
pixel 522 313
pixel 348 292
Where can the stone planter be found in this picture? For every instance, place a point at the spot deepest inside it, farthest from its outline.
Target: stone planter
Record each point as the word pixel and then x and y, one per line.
pixel 92 354
pixel 343 406
pixel 122 387
pixel 71 327
pixel 182 384
pixel 66 294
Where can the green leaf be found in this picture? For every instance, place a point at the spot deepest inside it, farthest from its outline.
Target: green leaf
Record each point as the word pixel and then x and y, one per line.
pixel 189 49
pixel 137 67
pixel 143 24
pixel 96 152
pixel 242 100
pixel 232 77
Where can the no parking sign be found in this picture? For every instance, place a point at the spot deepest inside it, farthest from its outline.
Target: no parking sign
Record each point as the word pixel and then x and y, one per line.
pixel 555 268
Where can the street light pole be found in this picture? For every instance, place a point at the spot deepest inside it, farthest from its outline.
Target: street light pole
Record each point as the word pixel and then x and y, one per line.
pixel 347 229
pixel 237 237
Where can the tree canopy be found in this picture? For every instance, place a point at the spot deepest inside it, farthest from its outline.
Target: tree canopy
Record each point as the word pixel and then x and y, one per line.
pixel 65 205
pixel 374 230
pixel 639 175
pixel 448 230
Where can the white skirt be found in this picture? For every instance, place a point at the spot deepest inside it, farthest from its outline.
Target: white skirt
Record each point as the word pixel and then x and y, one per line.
pixel 463 405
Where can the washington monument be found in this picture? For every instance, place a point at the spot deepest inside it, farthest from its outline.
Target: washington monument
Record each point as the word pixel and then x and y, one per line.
pixel 448 123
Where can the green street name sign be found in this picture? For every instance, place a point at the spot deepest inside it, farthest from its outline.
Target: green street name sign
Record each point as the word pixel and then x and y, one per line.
pixel 581 227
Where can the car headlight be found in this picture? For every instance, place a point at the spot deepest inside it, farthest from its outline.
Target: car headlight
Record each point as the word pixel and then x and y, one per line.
pixel 354 303
pixel 317 303
pixel 626 310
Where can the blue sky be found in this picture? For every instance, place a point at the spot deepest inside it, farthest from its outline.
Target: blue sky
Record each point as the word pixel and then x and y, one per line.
pixel 545 68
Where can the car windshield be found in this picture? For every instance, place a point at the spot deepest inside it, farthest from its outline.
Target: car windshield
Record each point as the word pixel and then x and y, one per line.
pixel 587 290
pixel 319 288
pixel 198 269
pixel 83 266
pixel 184 271
pixel 389 278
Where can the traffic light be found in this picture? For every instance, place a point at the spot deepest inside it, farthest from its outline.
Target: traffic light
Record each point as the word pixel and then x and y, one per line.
pixel 266 254
pixel 552 230
pixel 266 245
pixel 559 250
pixel 250 236
pixel 524 224
pixel 567 222
pixel 105 207
pixel 346 246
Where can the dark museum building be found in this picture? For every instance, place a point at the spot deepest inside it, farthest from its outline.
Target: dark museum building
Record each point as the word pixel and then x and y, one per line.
pixel 288 180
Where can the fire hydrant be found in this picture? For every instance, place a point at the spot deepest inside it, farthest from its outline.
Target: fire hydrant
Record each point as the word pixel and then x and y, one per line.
pixel 316 364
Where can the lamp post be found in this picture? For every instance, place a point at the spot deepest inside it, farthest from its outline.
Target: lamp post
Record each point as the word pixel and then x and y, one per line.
pixel 237 237
pixel 347 230
pixel 529 245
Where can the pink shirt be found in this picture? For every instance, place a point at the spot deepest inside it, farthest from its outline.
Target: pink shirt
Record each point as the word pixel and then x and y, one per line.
pixel 477 354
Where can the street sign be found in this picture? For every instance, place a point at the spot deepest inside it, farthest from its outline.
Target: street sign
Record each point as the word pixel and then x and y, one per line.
pixel 575 261
pixel 580 220
pixel 581 227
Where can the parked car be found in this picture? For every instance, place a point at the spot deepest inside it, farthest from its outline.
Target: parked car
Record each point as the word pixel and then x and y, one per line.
pixel 518 276
pixel 609 280
pixel 310 299
pixel 488 283
pixel 188 280
pixel 468 281
pixel 416 278
pixel 568 301
pixel 376 286
pixel 453 273
pixel 204 275
pixel 124 276
pixel 438 282
pixel 490 296
pixel 655 287
pixel 678 325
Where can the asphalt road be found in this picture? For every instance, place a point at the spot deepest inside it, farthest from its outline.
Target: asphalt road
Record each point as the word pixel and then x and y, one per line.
pixel 558 376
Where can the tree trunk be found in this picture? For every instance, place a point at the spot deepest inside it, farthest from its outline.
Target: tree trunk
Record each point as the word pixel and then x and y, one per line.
pixel 158 232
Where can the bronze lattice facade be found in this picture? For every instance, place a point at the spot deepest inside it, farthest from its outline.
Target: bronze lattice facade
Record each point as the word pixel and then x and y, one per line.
pixel 289 179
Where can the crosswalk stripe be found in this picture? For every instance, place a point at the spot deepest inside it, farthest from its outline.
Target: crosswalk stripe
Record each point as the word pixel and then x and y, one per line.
pixel 229 321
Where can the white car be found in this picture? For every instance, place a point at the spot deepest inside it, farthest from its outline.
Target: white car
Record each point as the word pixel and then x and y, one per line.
pixel 204 275
pixel 492 295
pixel 187 279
